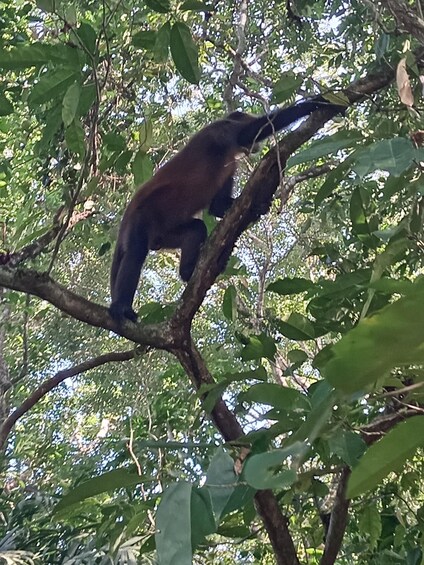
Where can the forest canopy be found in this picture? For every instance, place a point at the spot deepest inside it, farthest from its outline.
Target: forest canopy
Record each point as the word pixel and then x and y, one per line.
pixel 270 413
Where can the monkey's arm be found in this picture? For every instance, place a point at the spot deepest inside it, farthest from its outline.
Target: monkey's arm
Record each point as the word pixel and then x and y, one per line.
pixel 222 200
pixel 265 126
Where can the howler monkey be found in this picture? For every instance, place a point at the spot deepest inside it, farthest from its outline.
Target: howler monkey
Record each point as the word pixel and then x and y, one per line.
pixel 161 213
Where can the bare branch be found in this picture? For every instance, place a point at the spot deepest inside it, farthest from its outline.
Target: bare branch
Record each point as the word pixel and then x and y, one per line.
pixel 53 382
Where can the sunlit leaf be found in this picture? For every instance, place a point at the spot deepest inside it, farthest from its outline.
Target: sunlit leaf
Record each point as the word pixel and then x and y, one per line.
pixel 389 454
pixel 142 167
pixel 392 337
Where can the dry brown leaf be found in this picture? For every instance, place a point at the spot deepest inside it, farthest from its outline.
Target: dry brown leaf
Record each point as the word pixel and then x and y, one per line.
pixel 403 84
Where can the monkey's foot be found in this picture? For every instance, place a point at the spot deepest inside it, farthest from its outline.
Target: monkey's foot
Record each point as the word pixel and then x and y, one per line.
pixel 119 311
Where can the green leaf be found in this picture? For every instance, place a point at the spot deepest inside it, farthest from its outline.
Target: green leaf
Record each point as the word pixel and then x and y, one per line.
pixel 285 87
pixel 290 285
pixel 259 374
pixel 195 6
pixel 161 6
pixel 114 141
pixel 184 52
pixel 6 107
pixel 260 473
pixel 142 168
pixel 53 124
pixel 348 446
pixel 87 37
pixel 75 138
pixel 278 396
pixel 145 135
pixel 87 97
pixel 392 337
pixel 118 478
pixel 70 103
pixel 221 481
pixel 52 85
pixel 173 525
pixel 297 357
pixel 369 524
pixel 35 55
pixel 259 346
pixel 333 179
pixel 202 519
pixel 46 5
pixel 327 146
pixel 163 38
pixel 144 39
pixel 391 155
pixel 389 454
pixel 297 327
pixel 229 303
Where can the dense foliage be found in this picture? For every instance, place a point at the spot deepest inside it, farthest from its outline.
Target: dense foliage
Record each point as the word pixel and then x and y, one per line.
pixel 272 413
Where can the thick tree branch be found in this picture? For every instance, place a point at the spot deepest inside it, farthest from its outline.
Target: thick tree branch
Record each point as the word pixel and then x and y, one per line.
pixel 406 18
pixel 53 382
pixel 43 286
pixel 338 521
pixel 275 522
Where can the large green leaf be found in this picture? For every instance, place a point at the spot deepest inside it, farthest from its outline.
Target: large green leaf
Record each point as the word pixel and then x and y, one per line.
pixel 229 303
pixel 277 396
pixel 290 285
pixel 52 85
pixel 201 515
pixel 392 337
pixel 322 147
pixel 161 6
pixel 391 155
pixel 75 138
pixel 296 327
pixel 145 39
pixel 87 37
pixel 142 168
pixel 333 180
pixel 37 54
pixel 221 481
pixel 70 103
pixel 173 525
pixel 285 87
pixel 389 454
pixel 259 471
pixel 118 478
pixel 162 43
pixel 184 52
pixel 259 346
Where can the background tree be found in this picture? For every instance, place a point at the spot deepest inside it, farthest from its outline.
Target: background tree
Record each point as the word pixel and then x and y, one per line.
pixel 269 414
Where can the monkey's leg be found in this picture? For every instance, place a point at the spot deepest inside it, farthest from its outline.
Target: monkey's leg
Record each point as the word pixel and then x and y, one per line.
pixel 189 238
pixel 128 274
pixel 222 200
